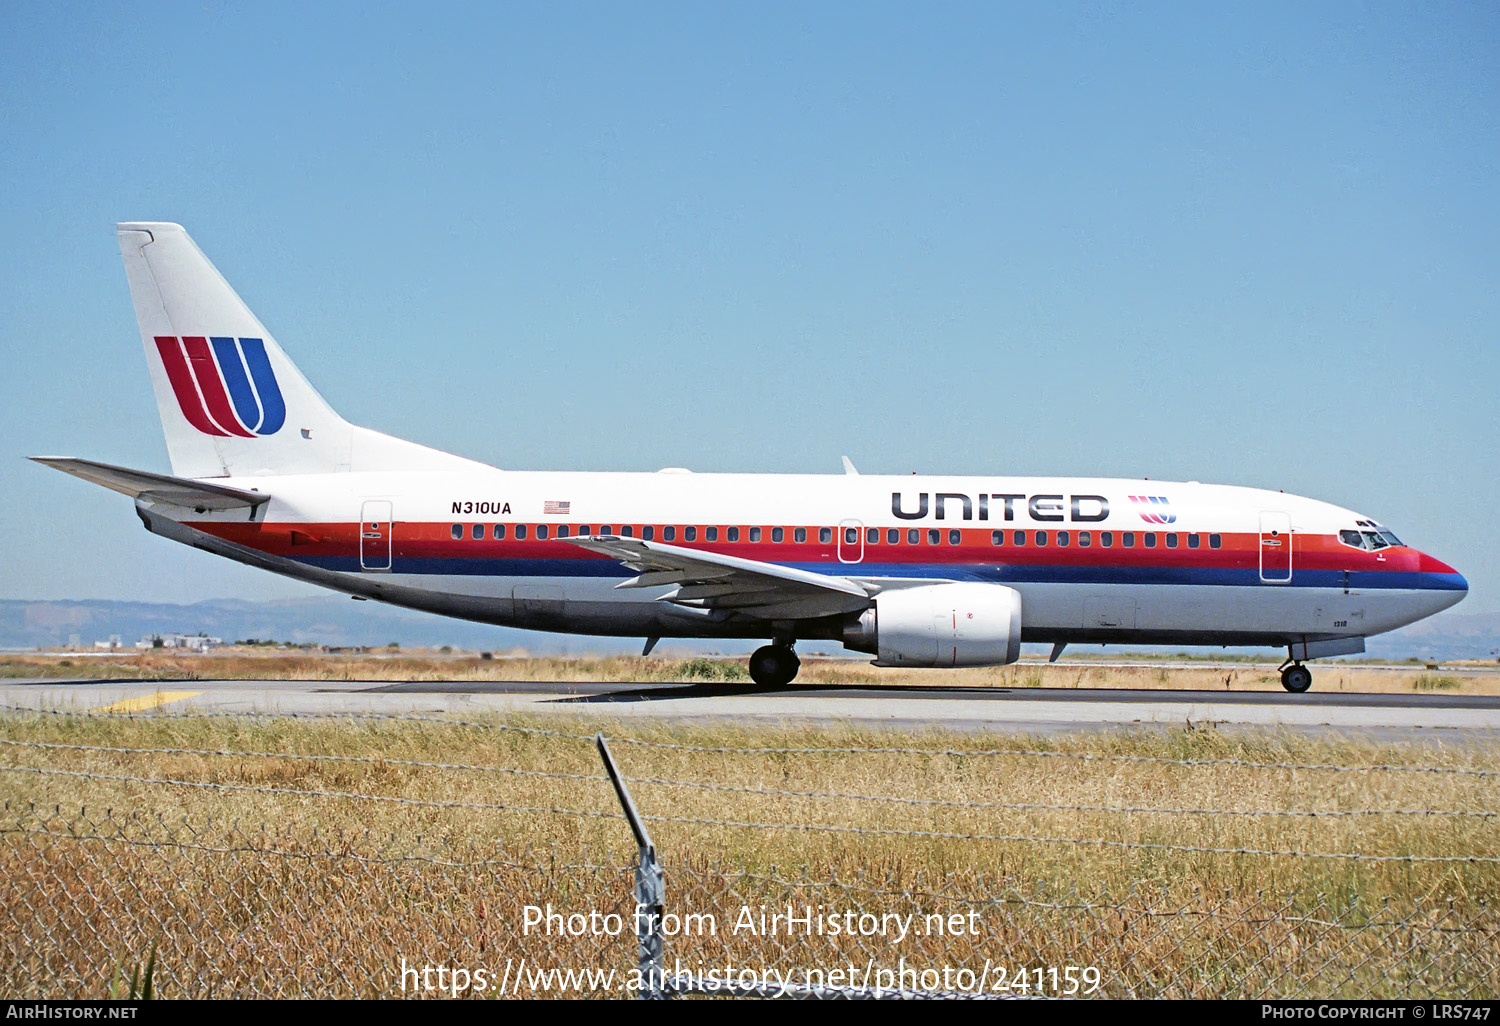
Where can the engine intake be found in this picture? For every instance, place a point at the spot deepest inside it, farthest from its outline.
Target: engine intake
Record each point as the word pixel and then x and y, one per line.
pixel 941 625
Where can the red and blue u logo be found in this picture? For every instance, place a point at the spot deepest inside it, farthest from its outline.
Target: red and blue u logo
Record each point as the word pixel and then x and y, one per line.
pixel 1154 509
pixel 224 385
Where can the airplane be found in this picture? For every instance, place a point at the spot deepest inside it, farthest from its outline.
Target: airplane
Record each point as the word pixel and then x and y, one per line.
pixel 918 571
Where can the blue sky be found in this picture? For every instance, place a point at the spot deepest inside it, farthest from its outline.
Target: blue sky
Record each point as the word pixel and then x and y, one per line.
pixel 1253 245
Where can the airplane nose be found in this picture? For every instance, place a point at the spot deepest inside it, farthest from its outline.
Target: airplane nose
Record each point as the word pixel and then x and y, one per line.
pixel 1431 565
pixel 1452 586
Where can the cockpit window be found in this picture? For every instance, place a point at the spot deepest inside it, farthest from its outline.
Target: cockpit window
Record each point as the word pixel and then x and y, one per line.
pixel 1372 537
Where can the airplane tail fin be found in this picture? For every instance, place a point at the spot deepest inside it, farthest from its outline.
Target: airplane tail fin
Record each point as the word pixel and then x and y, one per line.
pixel 232 404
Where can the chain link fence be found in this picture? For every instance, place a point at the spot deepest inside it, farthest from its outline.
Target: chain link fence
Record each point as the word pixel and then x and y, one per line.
pixel 249 864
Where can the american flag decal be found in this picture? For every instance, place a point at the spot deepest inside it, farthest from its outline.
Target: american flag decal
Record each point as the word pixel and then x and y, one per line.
pixel 553 508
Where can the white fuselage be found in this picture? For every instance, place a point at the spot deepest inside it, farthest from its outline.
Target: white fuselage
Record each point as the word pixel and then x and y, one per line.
pixel 1093 559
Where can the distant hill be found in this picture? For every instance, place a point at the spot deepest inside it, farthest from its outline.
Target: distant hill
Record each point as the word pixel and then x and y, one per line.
pixel 1445 636
pixel 326 621
pixel 336 620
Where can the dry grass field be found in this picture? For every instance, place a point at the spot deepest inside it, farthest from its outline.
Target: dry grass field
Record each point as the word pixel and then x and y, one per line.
pixel 262 664
pixel 310 857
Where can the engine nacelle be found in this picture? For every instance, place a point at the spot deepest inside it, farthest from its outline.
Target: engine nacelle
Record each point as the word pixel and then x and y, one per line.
pixel 956 624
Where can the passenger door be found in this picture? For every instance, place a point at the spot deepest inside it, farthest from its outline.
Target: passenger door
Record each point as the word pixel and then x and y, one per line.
pixel 375 535
pixel 1275 547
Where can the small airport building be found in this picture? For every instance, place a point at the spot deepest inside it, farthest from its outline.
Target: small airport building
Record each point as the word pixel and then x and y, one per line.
pixel 180 642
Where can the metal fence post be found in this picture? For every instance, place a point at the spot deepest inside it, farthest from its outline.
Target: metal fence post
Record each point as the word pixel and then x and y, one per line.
pixel 650 891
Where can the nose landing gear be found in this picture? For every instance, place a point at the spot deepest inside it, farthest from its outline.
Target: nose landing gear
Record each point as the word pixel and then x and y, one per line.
pixel 1296 678
pixel 774 666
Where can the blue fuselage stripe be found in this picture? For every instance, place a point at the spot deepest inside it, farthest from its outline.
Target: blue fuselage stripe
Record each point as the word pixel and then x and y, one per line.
pixel 1013 574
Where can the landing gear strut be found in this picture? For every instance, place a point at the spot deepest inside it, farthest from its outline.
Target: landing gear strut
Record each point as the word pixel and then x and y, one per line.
pixel 1296 678
pixel 774 666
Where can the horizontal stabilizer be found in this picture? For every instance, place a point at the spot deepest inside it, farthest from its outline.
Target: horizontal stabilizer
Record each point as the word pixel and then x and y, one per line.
pixel 179 491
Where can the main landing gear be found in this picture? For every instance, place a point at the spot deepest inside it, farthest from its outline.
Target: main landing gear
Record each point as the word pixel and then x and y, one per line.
pixel 774 666
pixel 1296 678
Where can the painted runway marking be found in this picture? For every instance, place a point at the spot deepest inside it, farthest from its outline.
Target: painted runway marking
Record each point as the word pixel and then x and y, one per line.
pixel 141 703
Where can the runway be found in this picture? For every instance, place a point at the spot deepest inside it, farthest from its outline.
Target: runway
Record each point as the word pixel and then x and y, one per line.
pixel 1434 717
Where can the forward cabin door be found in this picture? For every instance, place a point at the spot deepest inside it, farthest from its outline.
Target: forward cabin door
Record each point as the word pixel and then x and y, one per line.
pixel 375 535
pixel 1275 547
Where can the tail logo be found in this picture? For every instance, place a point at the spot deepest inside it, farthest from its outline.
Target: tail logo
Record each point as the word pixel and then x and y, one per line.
pixel 1153 509
pixel 224 385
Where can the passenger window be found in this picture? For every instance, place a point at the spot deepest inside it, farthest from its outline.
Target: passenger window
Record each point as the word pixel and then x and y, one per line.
pixel 541 532
pixel 1041 537
pixel 627 531
pixel 477 532
pixel 734 534
pixel 668 534
pixel 872 536
pixel 1192 541
pixel 954 538
pixel 755 534
pixel 1019 538
pixel 777 534
pixel 1062 537
pixel 562 530
pixel 689 534
pixel 913 536
pixel 1172 540
pixel 458 531
pixel 1085 539
pixel 893 536
pixel 851 536
pixel 934 536
pixel 710 534
pixel 997 537
pixel 825 535
pixel 499 532
pixel 1214 541
pixel 520 532
pixel 1107 539
pixel 1128 539
pixel 1149 539
pixel 583 529
pixel 648 532
pixel 603 529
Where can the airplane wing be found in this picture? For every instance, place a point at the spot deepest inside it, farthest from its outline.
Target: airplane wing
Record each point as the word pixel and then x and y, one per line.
pixel 749 587
pixel 179 491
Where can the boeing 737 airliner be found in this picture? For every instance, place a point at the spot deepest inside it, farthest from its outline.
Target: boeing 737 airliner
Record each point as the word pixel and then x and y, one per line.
pixel 917 571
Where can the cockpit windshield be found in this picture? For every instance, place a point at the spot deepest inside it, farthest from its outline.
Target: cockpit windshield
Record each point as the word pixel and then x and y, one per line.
pixel 1370 536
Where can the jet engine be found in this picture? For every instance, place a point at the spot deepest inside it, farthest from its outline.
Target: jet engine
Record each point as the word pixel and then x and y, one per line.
pixel 941 625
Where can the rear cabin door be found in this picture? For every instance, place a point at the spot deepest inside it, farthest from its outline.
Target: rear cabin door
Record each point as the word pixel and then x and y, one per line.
pixel 1275 547
pixel 375 535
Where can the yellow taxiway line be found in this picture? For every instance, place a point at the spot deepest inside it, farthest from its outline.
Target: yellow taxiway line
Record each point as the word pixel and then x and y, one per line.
pixel 143 702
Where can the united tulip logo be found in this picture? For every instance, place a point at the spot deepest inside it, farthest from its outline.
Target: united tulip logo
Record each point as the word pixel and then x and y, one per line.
pixel 1154 509
pixel 224 385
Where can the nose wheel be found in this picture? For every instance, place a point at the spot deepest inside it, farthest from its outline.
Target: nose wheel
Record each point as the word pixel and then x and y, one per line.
pixel 774 666
pixel 1296 678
